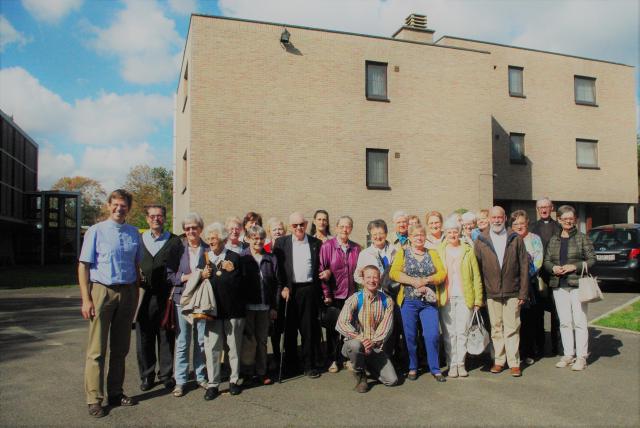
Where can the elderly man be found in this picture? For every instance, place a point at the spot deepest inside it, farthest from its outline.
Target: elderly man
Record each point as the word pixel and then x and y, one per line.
pixel 158 247
pixel 108 278
pixel 299 254
pixel 401 222
pixel 366 322
pixel 545 228
pixel 503 261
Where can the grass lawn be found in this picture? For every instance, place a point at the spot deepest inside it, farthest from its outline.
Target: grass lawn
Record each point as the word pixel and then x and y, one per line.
pixel 627 318
pixel 39 276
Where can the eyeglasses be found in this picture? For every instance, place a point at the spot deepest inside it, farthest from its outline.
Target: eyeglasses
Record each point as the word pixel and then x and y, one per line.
pixel 567 220
pixel 188 228
pixel 297 225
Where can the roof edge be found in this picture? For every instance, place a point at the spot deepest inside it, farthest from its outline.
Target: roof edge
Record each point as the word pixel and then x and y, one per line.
pixel 533 50
pixel 24 133
pixel 418 30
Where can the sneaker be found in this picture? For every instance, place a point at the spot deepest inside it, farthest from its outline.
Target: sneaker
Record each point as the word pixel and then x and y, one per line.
pixel 565 361
pixel 333 368
pixel 580 364
pixel 453 371
pixel 462 372
pixel 178 391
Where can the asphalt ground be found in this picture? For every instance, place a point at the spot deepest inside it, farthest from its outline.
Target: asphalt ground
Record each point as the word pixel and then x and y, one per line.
pixel 42 345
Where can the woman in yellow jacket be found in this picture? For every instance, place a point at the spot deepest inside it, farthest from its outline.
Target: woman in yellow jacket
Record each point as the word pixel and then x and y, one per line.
pixel 458 296
pixel 419 271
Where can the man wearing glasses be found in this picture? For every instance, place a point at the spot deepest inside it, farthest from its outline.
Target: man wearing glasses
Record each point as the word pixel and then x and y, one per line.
pixel 299 253
pixel 153 343
pixel 545 228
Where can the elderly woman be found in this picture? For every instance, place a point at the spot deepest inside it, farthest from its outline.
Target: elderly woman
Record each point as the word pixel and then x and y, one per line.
pixel 460 294
pixel 338 260
pixel 263 281
pixel 250 219
pixel 414 220
pixel 532 312
pixel 234 229
pixel 380 253
pixel 434 228
pixel 224 270
pixel 320 225
pixel 419 270
pixel 179 271
pixel 564 259
pixel 401 223
pixel 275 229
pixel 468 225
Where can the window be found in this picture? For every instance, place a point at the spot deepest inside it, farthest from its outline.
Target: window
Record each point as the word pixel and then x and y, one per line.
pixel 376 88
pixel 515 81
pixel 585 88
pixel 586 153
pixel 516 148
pixel 377 169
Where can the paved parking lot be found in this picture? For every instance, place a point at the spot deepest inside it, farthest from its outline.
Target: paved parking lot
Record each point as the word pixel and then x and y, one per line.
pixel 42 339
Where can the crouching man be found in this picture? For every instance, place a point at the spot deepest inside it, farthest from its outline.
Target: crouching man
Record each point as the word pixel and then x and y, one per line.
pixel 366 321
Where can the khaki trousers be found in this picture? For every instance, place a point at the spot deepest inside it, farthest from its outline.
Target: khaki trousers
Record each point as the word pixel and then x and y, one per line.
pixel 115 307
pixel 504 315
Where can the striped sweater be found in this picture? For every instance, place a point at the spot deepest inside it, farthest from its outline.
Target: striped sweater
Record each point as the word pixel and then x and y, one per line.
pixel 372 322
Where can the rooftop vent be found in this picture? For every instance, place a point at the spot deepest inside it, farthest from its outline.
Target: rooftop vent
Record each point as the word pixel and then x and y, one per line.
pixel 416 21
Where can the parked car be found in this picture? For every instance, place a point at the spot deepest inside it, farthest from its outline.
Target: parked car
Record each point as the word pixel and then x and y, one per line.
pixel 617 252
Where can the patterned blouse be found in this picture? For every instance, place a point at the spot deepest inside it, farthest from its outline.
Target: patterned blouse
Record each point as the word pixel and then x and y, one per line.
pixel 533 244
pixel 417 268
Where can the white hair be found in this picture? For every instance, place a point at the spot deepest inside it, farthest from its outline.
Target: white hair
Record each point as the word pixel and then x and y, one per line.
pixel 398 214
pixel 215 229
pixel 543 200
pixel 451 223
pixel 468 217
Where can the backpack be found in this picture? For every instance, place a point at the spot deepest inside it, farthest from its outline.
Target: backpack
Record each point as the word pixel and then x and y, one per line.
pixel 360 297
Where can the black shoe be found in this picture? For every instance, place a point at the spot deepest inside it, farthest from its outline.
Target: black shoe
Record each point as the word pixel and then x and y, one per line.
pixel 122 400
pixel 146 385
pixel 211 393
pixel 312 373
pixel 234 389
pixel 169 383
pixel 439 377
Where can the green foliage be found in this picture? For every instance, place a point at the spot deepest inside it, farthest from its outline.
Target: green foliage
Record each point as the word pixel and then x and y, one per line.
pixel 461 211
pixel 627 318
pixel 149 185
pixel 93 196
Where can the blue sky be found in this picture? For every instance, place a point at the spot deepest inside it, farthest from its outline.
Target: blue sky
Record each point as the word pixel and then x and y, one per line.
pixel 92 81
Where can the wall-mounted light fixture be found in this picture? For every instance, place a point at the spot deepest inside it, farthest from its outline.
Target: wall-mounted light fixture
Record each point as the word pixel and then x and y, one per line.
pixel 284 37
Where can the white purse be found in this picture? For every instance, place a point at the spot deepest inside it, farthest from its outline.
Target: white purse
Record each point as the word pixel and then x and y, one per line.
pixel 477 335
pixel 588 288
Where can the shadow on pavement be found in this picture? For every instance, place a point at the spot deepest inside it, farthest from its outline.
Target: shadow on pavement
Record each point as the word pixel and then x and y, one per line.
pixel 602 345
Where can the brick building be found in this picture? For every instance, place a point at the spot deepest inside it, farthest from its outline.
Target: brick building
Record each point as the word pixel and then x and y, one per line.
pixel 276 118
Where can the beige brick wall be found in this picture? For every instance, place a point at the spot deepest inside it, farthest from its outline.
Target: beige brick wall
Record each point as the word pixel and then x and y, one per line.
pixel 277 130
pixel 552 121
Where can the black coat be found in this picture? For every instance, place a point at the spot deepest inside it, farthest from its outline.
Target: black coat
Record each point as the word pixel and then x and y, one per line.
pixel 283 249
pixel 272 278
pixel 229 288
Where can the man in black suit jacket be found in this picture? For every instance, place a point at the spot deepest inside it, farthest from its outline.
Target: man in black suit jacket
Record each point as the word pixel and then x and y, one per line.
pixel 299 255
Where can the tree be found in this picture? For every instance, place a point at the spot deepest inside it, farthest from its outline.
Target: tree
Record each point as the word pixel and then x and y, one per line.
pixel 92 199
pixel 149 186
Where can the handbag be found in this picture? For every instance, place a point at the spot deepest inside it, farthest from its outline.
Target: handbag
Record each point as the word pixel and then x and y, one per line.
pixel 168 321
pixel 477 335
pixel 588 290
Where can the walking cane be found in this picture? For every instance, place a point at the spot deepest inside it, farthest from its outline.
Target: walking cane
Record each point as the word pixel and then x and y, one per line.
pixel 286 306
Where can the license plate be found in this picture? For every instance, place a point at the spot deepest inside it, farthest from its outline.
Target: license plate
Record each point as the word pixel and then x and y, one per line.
pixel 605 257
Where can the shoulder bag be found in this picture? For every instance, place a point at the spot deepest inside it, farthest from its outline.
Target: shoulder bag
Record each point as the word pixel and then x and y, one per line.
pixel 588 289
pixel 477 335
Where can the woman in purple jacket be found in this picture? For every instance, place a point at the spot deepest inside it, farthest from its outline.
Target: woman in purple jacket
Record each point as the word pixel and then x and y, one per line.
pixel 338 260
pixel 179 271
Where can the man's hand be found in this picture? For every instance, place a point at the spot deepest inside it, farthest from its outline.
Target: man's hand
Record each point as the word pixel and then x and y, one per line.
pixel 285 293
pixel 324 275
pixel 368 346
pixel 88 310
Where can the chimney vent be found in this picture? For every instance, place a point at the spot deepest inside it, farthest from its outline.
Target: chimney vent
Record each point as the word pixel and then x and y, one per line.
pixel 416 21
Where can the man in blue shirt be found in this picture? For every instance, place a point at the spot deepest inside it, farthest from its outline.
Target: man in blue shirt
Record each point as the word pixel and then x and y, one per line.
pixel 108 278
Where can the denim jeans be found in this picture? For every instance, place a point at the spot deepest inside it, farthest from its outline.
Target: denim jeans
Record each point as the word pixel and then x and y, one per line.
pixel 412 311
pixel 185 332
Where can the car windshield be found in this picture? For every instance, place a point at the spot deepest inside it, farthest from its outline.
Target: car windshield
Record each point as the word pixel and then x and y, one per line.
pixel 614 239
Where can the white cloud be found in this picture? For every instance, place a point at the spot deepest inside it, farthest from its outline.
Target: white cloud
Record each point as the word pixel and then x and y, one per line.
pixel 106 119
pixel 183 7
pixel 598 29
pixel 51 11
pixel 52 166
pixel 144 40
pixel 9 35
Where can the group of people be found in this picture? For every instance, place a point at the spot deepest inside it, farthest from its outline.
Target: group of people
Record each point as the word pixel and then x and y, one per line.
pixel 229 288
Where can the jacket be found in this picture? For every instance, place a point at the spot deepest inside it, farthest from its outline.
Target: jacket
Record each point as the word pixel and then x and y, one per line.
pixel 342 266
pixel 398 266
pixel 471 279
pixel 198 297
pixel 267 276
pixel 512 280
pixel 228 288
pixel 178 264
pixel 580 251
